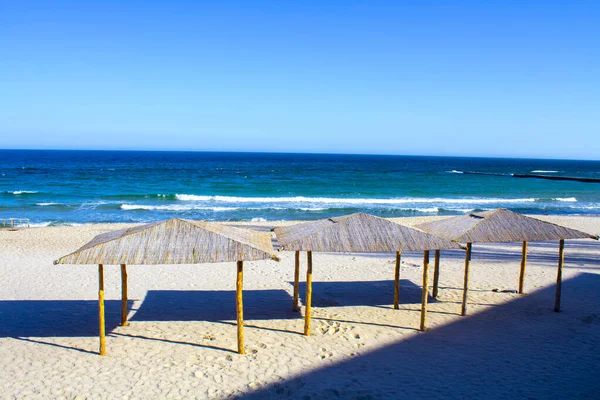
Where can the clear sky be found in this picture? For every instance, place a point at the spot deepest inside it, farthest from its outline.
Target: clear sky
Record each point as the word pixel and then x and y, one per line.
pixel 489 78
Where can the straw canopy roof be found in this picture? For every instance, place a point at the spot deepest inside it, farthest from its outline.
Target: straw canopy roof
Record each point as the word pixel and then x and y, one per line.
pixel 360 233
pixel 500 226
pixel 174 241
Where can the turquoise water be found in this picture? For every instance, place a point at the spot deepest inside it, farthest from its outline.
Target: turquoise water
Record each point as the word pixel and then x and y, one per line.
pixel 71 187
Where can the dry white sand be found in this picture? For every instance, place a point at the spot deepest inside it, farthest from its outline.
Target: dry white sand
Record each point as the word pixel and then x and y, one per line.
pixel 182 338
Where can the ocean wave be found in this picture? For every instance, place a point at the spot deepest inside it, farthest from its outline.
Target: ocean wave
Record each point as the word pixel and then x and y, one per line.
pixel 92 205
pixel 455 172
pixel 586 207
pixel 543 171
pixel 192 197
pixel 567 199
pixel 173 207
pixel 55 223
pixel 20 192
pixel 422 210
pixel 39 224
pixel 138 196
pixel 349 200
pixel 193 207
pixel 47 204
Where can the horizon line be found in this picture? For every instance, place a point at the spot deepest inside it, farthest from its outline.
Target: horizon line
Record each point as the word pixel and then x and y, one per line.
pixel 302 153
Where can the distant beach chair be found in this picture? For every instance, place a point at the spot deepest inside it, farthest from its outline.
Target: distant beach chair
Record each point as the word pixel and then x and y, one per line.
pixel 15 223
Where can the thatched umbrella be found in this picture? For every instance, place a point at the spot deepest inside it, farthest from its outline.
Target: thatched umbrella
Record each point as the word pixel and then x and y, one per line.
pixel 360 233
pixel 504 226
pixel 175 241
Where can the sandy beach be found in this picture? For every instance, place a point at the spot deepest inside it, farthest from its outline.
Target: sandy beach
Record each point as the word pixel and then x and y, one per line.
pixel 181 340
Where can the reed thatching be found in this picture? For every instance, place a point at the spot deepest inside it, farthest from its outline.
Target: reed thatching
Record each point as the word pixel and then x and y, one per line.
pixel 500 226
pixel 175 241
pixel 360 233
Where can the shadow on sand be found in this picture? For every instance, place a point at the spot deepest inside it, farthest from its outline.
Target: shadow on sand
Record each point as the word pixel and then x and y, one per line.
pixel 363 293
pixel 521 349
pixel 213 305
pixel 56 318
pixel 27 319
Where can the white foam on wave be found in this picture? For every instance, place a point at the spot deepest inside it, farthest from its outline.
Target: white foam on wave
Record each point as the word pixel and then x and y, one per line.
pixel 427 210
pixel 543 171
pixel 191 207
pixel 454 171
pixel 567 199
pixel 92 205
pixel 56 223
pixel 174 207
pixel 20 192
pixel 39 224
pixel 597 207
pixel 331 200
pixel 47 204
pixel 258 220
pixel 192 197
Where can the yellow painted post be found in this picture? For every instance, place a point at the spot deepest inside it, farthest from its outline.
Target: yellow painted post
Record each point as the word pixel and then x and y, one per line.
pixel 101 309
pixel 397 282
pixel 240 306
pixel 308 293
pixel 436 274
pixel 296 307
pixel 124 295
pixel 466 281
pixel 561 260
pixel 523 265
pixel 425 291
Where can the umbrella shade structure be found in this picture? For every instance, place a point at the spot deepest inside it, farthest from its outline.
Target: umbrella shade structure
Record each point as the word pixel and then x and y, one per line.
pixel 360 233
pixel 504 226
pixel 174 241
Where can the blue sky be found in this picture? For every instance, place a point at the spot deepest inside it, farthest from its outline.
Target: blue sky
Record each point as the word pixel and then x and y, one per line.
pixel 489 78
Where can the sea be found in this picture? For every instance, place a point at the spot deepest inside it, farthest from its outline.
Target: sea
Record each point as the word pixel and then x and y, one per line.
pixel 82 187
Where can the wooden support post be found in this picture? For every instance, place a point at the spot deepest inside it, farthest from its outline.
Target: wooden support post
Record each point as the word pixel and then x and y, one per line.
pixel 124 295
pixel 425 290
pixel 397 282
pixel 561 260
pixel 436 274
pixel 240 306
pixel 102 335
pixel 523 265
pixel 466 281
pixel 308 293
pixel 296 307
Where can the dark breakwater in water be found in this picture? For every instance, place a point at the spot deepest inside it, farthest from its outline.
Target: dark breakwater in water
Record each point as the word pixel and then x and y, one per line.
pixel 557 178
pixel 548 177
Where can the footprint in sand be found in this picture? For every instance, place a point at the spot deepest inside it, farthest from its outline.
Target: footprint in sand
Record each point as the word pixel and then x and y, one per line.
pixel 331 328
pixel 325 354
